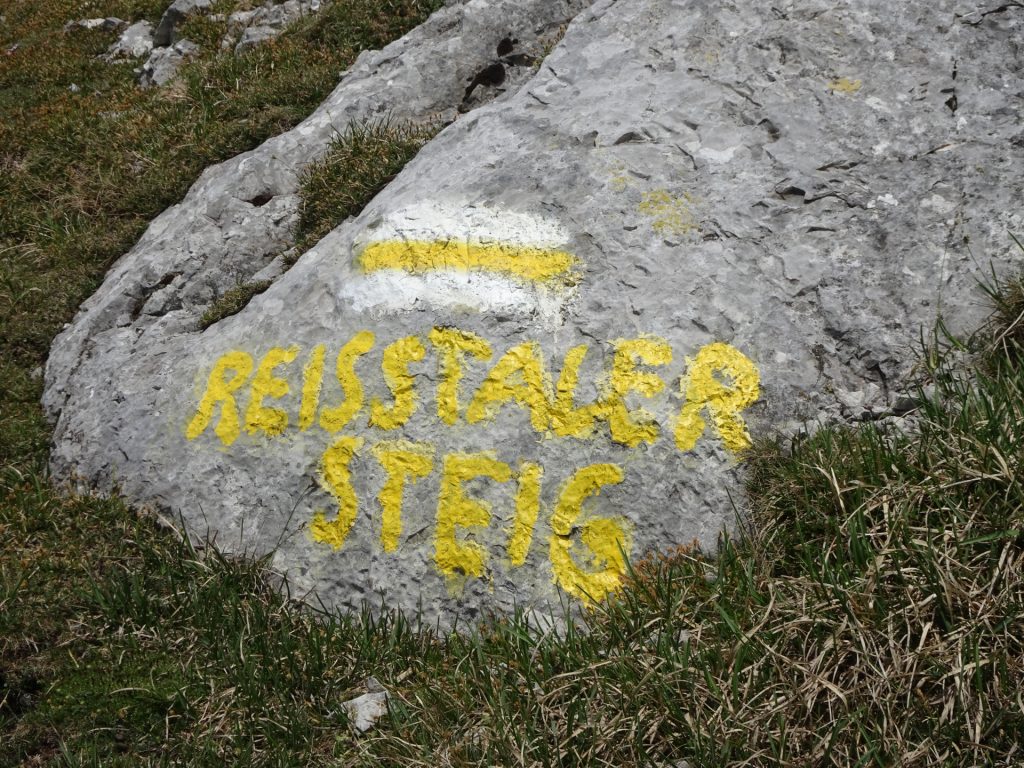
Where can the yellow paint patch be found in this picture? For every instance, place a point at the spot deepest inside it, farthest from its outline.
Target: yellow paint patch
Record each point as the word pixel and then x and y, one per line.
pixel 395 366
pixel 518 376
pixel 620 178
pixel 312 381
pixel 333 419
pixel 527 510
pixel 261 418
pixel 401 461
pixel 454 345
pixel 844 85
pixel 456 510
pixel 337 480
pixel 634 427
pixel 607 539
pixel 671 214
pixel 724 401
pixel 520 261
pixel 221 390
pixel 568 420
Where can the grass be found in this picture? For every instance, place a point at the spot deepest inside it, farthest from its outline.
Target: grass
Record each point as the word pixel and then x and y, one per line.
pixel 872 614
pixel 358 164
pixel 232 302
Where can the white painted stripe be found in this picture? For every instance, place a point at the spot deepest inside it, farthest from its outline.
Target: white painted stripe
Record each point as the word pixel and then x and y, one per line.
pixel 473 224
pixel 392 291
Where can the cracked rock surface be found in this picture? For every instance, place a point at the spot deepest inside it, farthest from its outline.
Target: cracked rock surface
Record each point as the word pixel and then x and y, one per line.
pixel 806 183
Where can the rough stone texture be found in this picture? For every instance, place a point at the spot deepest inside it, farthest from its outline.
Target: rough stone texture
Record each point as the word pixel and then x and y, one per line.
pixel 177 12
pixel 805 182
pixel 247 29
pixel 163 63
pixel 134 43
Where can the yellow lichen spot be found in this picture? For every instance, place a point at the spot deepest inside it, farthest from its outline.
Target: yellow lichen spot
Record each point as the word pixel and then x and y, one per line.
pixel 671 214
pixel 401 461
pixel 724 401
pixel 456 510
pixel 312 380
pixel 337 480
pixel 568 420
pixel 527 510
pixel 844 85
pixel 518 376
pixel 620 178
pixel 521 261
pixel 333 419
pixel 395 365
pixel 261 418
pixel 219 390
pixel 454 345
pixel 634 427
pixel 607 539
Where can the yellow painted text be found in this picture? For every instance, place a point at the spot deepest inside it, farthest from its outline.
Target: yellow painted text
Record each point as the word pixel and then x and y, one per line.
pixel 527 510
pixel 221 390
pixel 457 510
pixel 261 418
pixel 607 539
pixel 454 345
pixel 337 480
pixel 333 419
pixel 395 366
pixel 724 401
pixel 517 377
pixel 402 461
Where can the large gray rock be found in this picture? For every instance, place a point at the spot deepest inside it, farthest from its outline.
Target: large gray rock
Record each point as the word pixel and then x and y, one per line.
pixel 549 339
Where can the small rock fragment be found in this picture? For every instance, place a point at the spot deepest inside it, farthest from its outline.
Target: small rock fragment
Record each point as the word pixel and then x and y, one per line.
pixel 253 36
pixel 178 11
pixel 107 24
pixel 134 43
pixel 163 63
pixel 364 711
pixel 250 28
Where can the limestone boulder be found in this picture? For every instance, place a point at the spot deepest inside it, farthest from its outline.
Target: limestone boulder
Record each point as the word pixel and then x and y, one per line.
pixel 545 346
